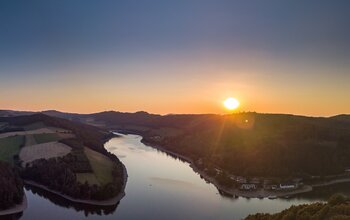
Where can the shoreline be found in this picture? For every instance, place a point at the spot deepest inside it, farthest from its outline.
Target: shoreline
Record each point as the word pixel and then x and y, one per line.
pixel 261 193
pixel 109 202
pixel 17 208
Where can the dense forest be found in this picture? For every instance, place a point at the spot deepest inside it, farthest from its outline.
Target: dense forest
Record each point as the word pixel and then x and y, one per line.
pixel 337 208
pixel 249 144
pixel 59 174
pixel 265 145
pixel 11 190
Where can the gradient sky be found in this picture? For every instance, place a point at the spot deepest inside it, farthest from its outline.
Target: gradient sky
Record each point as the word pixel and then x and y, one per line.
pixel 182 56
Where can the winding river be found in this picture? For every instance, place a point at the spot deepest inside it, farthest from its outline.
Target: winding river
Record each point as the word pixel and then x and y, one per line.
pixel 159 187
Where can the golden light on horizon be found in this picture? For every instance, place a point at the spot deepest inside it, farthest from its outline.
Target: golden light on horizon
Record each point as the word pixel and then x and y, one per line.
pixel 231 103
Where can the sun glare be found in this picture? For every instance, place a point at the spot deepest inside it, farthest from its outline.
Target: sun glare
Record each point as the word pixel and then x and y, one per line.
pixel 231 103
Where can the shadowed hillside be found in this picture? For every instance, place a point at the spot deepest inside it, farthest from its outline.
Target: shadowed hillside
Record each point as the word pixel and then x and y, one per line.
pixel 337 208
pixel 249 144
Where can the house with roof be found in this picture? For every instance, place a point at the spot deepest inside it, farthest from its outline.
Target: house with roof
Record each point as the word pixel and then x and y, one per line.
pixel 248 186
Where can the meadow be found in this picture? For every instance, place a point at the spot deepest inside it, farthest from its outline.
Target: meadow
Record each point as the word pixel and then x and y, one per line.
pixel 101 165
pixel 10 146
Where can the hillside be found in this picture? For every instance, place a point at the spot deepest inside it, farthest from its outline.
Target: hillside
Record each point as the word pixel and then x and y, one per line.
pixel 56 153
pixel 90 136
pixel 337 208
pixel 249 144
pixel 243 144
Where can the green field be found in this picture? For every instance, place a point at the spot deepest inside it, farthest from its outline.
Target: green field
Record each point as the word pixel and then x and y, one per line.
pixel 30 140
pixel 10 146
pixel 44 138
pixel 101 165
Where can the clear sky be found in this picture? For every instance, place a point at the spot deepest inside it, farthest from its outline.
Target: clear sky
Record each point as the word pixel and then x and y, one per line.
pixel 183 56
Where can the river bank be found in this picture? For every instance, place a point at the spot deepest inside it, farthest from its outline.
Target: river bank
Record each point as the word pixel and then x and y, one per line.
pixel 17 208
pixel 109 202
pixel 157 182
pixel 234 192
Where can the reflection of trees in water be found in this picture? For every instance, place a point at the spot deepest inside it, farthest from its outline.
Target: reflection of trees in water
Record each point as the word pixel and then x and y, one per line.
pixel 12 217
pixel 62 202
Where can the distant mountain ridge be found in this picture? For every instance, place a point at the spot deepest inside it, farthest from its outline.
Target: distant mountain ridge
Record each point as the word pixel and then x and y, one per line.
pixel 249 144
pixel 343 117
pixel 134 116
pixel 11 113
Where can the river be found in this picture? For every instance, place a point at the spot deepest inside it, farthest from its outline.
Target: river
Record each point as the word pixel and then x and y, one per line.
pixel 159 187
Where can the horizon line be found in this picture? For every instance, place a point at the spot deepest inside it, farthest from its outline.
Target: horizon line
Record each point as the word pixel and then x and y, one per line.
pixel 132 112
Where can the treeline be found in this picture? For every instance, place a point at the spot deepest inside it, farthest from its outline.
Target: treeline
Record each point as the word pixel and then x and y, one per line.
pixel 58 174
pixel 253 144
pixel 249 144
pixel 77 161
pixel 91 136
pixel 79 207
pixel 78 146
pixel 86 135
pixel 11 187
pixel 337 208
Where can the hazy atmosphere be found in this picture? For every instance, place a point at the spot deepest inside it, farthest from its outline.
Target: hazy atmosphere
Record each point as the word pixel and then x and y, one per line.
pixel 174 110
pixel 175 56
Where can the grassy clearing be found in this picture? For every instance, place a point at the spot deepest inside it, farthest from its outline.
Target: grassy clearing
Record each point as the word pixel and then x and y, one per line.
pixel 87 177
pixel 44 138
pixel 30 140
pixel 9 147
pixel 101 165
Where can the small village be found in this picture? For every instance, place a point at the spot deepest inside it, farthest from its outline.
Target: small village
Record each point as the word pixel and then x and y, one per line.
pixel 260 187
pixel 271 188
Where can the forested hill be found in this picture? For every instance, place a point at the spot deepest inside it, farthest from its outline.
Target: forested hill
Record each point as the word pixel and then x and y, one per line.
pixel 90 136
pixel 250 144
pixel 342 118
pixel 337 208
pixel 84 170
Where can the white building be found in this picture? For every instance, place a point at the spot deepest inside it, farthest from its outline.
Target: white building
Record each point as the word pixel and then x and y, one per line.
pixel 248 186
pixel 287 186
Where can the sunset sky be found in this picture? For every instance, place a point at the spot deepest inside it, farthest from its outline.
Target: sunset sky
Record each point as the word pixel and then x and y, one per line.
pixel 183 56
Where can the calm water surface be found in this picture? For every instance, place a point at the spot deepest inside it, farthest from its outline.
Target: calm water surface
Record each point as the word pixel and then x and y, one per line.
pixel 160 187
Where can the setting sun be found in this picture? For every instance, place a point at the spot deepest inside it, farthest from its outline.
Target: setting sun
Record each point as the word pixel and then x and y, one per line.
pixel 231 103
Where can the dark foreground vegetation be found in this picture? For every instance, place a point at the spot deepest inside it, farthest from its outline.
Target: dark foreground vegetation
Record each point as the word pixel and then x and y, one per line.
pixel 11 187
pixel 337 208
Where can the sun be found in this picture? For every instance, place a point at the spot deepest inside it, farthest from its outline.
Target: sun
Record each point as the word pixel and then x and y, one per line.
pixel 231 103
